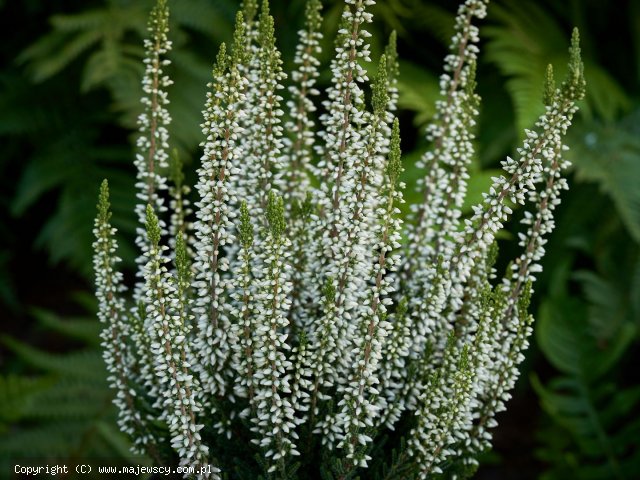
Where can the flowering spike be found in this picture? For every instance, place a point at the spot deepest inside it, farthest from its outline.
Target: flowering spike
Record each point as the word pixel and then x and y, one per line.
pixel 183 265
pixel 221 62
pixel 118 356
pixel 153 142
pixel 275 215
pixel 394 166
pixel 575 86
pixel 177 388
pixel 380 99
pixel 438 216
pixel 153 227
pixel 361 394
pixel 239 50
pixel 245 325
pixel 245 231
pixel 446 165
pixel 214 230
pixel 549 87
pixel 299 147
pixel 273 423
pixel 263 160
pixel 249 9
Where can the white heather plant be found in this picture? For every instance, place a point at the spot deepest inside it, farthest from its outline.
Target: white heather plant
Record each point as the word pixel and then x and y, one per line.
pixel 284 329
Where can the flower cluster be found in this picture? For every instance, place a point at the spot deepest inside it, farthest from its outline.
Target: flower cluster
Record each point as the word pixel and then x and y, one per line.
pixel 283 327
pixel 153 142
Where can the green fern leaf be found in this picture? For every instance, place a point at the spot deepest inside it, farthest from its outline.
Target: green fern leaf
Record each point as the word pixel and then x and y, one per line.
pixel 16 395
pixel 70 399
pixel 418 92
pixel 56 60
pixel 597 414
pixel 605 450
pixel 563 335
pixel 522 42
pixel 79 328
pixel 610 156
pixel 83 364
pixel 45 441
pixel 210 18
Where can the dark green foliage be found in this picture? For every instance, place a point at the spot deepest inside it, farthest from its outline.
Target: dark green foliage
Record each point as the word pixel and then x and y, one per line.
pixel 608 155
pixel 67 156
pixel 595 429
pixel 523 37
pixel 84 329
pixel 59 409
pixel 81 364
pixel 14 390
pixel 106 40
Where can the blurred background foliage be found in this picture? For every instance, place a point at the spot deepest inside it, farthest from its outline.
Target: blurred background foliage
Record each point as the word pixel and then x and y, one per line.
pixel 69 98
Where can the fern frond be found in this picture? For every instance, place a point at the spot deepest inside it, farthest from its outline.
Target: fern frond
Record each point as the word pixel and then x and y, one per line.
pixel 65 412
pixel 608 155
pixel 16 394
pixel 522 41
pixel 596 413
pixel 84 364
pixel 80 328
pixel 600 420
pixel 70 399
pixel 213 19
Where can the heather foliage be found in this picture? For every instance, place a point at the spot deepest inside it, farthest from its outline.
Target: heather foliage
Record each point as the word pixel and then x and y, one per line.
pixel 292 324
